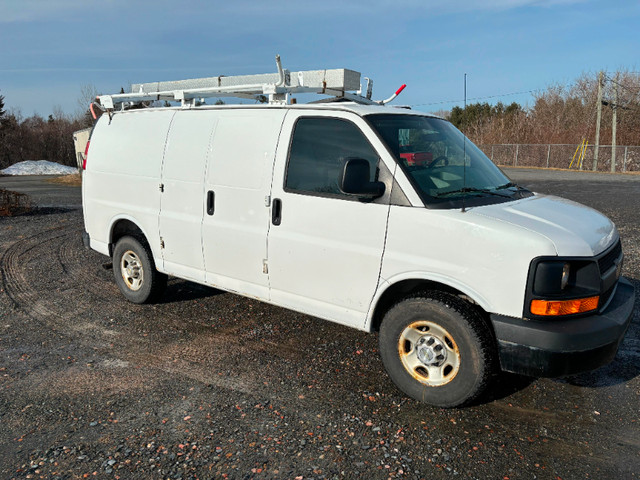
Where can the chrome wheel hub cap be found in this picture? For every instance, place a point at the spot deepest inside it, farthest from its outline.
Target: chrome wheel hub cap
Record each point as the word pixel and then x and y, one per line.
pixel 429 353
pixel 131 270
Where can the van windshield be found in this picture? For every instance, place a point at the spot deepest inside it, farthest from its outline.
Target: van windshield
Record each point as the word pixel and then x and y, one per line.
pixel 443 166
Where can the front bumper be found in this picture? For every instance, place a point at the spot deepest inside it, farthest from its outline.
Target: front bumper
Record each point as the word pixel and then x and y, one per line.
pixel 557 347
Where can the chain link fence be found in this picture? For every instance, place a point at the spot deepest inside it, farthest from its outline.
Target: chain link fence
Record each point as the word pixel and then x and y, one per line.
pixel 627 158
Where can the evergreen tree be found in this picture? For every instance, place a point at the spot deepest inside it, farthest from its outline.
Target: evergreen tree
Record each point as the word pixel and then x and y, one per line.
pixel 478 113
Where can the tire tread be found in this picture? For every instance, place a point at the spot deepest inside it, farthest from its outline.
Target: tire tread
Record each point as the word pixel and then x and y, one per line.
pixel 158 280
pixel 478 330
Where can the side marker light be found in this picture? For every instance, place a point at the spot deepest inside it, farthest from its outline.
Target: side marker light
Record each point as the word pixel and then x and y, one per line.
pixel 564 307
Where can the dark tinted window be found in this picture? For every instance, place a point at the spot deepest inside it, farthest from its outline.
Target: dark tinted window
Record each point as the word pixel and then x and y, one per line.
pixel 318 150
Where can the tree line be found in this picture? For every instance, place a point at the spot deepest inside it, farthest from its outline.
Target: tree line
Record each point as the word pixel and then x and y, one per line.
pixel 561 114
pixel 38 138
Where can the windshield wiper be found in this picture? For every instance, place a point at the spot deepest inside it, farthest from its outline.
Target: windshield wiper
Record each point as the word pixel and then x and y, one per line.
pixel 511 184
pixel 473 190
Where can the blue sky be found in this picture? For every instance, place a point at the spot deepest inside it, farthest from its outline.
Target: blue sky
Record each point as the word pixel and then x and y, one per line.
pixel 50 49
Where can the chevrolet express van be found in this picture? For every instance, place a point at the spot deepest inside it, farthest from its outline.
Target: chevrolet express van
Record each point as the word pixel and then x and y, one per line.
pixel 378 218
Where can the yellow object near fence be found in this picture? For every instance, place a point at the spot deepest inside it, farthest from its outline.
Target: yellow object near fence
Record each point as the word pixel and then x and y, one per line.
pixel 575 153
pixel 584 151
pixel 582 148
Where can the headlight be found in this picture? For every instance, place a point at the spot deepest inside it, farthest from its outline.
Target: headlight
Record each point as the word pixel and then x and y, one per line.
pixel 551 277
pixel 559 286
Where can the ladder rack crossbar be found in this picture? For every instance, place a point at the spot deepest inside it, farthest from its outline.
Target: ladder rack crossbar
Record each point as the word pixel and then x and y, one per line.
pixel 244 92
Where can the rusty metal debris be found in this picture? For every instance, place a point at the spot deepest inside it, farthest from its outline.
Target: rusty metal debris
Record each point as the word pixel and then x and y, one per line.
pixel 13 203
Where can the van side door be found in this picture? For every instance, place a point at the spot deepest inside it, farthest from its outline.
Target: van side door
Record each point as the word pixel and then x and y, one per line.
pixel 182 187
pixel 325 247
pixel 237 185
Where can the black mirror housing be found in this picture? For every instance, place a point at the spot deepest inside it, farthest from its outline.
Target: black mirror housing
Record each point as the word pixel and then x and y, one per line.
pixel 354 179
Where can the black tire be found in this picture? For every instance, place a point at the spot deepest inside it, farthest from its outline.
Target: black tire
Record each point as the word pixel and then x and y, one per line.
pixel 135 271
pixel 437 349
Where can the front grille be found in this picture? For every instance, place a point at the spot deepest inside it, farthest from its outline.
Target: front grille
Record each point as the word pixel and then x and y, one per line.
pixel 604 297
pixel 608 260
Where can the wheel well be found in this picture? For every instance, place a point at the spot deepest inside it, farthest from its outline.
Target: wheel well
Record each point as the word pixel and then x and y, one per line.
pixel 408 288
pixel 122 228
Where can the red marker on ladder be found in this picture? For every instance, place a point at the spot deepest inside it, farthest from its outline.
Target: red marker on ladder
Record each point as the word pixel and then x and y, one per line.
pixel 382 102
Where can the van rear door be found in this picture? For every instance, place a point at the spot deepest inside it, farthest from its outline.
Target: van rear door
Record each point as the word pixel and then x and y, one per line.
pixel 325 247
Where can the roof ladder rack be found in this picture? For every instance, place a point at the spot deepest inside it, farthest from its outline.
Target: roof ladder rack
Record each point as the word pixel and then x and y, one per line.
pixel 277 87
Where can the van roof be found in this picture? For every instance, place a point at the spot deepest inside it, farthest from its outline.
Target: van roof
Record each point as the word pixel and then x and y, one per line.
pixel 357 108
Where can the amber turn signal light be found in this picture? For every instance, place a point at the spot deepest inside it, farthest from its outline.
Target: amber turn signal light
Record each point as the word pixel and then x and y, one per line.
pixel 564 307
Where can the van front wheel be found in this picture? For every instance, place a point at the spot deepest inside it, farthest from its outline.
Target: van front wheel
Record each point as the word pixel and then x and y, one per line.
pixel 437 349
pixel 135 272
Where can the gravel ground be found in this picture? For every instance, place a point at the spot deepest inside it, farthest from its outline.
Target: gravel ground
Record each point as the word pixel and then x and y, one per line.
pixel 208 384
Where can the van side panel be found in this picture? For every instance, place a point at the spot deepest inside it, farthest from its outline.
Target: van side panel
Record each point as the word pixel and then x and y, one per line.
pixel 183 201
pixel 123 175
pixel 239 169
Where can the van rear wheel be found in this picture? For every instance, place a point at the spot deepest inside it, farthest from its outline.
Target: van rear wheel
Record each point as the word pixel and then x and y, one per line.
pixel 437 349
pixel 135 271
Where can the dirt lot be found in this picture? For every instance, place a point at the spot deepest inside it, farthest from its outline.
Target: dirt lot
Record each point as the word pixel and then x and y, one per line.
pixel 212 385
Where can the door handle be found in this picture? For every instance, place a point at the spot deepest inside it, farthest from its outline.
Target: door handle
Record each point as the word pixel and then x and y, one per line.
pixel 211 198
pixel 276 211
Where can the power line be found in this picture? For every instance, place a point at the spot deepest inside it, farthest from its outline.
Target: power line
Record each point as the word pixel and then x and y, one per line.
pixel 629 89
pixel 633 93
pixel 476 98
pixel 607 77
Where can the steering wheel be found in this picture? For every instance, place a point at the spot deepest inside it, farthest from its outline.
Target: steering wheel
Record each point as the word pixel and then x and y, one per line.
pixel 442 158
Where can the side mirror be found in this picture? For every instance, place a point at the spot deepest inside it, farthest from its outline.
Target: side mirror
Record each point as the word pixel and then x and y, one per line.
pixel 354 179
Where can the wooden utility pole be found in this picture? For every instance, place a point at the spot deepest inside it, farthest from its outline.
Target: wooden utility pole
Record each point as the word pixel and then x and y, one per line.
pixel 614 124
pixel 598 117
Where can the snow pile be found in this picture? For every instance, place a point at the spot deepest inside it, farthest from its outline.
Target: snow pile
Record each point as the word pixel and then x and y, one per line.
pixel 38 167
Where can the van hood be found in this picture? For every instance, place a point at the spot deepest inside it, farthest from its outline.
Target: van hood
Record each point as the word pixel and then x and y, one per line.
pixel 574 229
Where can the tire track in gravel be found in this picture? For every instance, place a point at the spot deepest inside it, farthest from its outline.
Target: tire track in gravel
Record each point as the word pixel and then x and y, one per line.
pixel 41 284
pixel 74 263
pixel 16 285
pixel 82 291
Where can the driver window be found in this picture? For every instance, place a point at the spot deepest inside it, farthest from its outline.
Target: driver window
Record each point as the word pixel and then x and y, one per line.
pixel 318 148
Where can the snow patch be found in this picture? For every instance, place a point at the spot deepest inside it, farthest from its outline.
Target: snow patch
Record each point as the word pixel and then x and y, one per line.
pixel 38 167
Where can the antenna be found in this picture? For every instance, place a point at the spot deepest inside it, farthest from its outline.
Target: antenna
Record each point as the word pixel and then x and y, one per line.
pixel 464 149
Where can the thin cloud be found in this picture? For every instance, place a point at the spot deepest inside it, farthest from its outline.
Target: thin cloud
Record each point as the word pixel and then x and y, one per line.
pixel 37 10
pixel 30 10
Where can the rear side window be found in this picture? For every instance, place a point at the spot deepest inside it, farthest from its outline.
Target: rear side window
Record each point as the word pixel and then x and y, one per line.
pixel 318 149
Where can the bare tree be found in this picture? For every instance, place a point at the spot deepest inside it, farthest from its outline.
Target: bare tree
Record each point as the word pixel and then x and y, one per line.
pixel 88 94
pixel 2 112
pixel 561 114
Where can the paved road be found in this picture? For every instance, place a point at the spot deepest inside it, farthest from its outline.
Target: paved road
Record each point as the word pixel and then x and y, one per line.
pixel 525 175
pixel 208 384
pixel 42 192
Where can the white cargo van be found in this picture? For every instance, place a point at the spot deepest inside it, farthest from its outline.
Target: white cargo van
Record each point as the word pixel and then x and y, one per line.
pixel 378 218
